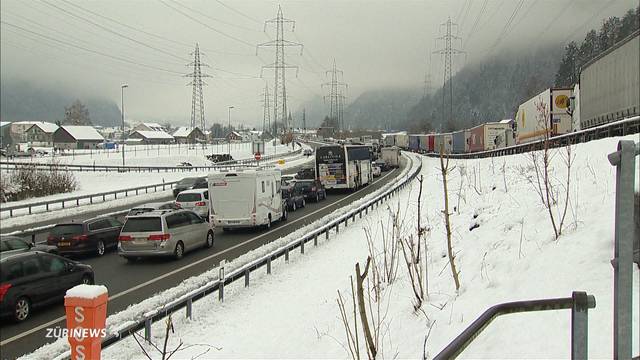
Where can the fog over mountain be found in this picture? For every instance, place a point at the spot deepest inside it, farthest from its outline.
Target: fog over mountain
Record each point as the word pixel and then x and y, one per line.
pixel 53 52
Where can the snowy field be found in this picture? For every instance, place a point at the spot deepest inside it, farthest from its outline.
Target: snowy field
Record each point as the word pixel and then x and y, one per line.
pixel 157 155
pixel 509 254
pixel 96 182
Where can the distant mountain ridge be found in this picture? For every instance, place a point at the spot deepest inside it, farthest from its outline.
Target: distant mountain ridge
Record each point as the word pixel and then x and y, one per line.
pixel 22 101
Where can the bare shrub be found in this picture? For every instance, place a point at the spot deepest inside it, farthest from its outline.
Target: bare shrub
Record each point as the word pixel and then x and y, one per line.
pixel 444 169
pixel 28 181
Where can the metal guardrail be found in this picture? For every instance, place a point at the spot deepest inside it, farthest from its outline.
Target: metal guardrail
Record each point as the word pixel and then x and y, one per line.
pixel 579 303
pixel 626 234
pixel 91 197
pixel 231 164
pixel 243 272
pixel 618 128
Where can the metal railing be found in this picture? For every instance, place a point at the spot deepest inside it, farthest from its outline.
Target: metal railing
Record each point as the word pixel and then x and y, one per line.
pixel 618 128
pixel 231 164
pixel 244 271
pixel 579 303
pixel 626 234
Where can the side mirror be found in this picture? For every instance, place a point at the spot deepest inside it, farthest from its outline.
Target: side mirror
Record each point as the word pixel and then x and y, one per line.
pixel 71 266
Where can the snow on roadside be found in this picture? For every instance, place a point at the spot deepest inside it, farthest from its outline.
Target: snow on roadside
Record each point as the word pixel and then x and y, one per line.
pixel 92 183
pixel 137 311
pixel 293 313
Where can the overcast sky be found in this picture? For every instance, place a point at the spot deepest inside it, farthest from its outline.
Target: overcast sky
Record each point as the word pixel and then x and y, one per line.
pixel 377 44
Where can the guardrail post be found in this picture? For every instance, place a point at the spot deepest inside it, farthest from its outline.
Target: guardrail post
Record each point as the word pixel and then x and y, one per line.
pixel 624 161
pixel 115 194
pixel 29 209
pixel 360 214
pixel 302 247
pixel 286 254
pixel 246 278
pixel 337 227
pixel 327 234
pixel 147 329
pixel 346 221
pixel 90 200
pixel 33 238
pixel 269 265
pixel 579 324
pixel 315 240
pixel 189 308
pixel 77 202
pixel 221 280
pixel 103 197
pixel 63 204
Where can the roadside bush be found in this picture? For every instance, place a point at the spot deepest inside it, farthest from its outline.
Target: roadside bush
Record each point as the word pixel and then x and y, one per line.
pixel 27 182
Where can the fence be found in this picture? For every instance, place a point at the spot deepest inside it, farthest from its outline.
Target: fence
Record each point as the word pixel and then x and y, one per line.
pixel 231 164
pixel 618 128
pixel 77 199
pixel 244 272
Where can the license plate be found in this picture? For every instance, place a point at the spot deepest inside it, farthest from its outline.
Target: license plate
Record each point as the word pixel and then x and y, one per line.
pixel 139 241
pixel 64 243
pixel 233 222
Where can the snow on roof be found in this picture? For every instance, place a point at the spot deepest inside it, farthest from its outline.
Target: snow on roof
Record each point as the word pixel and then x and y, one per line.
pixel 4 123
pixel 506 121
pixel 45 126
pixel 182 131
pixel 83 132
pixel 153 125
pixel 154 134
pixel 236 133
pixel 86 291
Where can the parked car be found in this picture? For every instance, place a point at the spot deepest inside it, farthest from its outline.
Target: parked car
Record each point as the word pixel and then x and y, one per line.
pixel 377 171
pixel 190 183
pixel 306 173
pixel 382 164
pixel 13 244
pixel 311 189
pixel 168 205
pixel 293 197
pixel 287 180
pixel 196 200
pixel 92 236
pixel 307 152
pixel 163 233
pixel 184 164
pixel 32 279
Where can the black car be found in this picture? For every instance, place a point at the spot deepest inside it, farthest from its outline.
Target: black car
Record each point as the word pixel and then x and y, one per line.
pixel 306 173
pixel 13 245
pixel 190 183
pixel 293 198
pixel 311 189
pixel 92 236
pixel 32 279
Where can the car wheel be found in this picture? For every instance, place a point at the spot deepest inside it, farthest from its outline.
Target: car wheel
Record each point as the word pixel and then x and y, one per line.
pixel 210 239
pixel 294 207
pixel 100 248
pixel 22 309
pixel 178 253
pixel 87 280
pixel 304 203
pixel 285 215
pixel 269 222
pixel 317 197
pixel 131 259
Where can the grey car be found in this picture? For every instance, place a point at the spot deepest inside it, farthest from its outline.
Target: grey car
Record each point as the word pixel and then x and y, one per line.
pixel 13 245
pixel 163 233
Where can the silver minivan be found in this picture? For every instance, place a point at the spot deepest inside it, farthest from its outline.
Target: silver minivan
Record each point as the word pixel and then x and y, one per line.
pixel 163 233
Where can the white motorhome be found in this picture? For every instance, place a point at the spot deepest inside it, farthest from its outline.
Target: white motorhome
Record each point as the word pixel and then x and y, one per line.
pixel 245 198
pixel 391 156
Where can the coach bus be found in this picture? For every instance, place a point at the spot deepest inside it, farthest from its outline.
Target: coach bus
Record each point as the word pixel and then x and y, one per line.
pixel 344 166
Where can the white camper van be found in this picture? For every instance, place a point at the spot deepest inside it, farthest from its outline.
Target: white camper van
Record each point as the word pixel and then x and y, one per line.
pixel 391 156
pixel 245 198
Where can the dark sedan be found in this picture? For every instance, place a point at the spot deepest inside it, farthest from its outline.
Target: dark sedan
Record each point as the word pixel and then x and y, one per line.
pixel 311 189
pixel 33 279
pixel 190 183
pixel 92 236
pixel 293 198
pixel 13 244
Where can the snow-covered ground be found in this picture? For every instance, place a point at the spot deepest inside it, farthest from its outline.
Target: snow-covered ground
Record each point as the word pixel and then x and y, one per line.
pixel 97 182
pixel 510 254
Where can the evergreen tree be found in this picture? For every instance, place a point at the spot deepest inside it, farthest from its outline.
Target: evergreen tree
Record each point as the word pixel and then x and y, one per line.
pixel 567 72
pixel 76 114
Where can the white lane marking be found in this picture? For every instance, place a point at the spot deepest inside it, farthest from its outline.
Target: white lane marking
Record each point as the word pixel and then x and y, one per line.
pixel 61 318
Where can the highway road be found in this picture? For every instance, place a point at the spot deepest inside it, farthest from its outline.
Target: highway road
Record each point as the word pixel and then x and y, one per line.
pixel 130 283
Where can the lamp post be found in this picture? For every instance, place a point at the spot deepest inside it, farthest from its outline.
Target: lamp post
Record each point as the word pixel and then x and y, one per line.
pixel 122 106
pixel 229 135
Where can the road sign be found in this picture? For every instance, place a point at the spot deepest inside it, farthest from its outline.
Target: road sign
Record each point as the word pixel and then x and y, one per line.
pixel 258 156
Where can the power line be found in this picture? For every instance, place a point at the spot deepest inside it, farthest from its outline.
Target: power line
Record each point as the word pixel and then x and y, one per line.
pixel 205 24
pixel 239 12
pixel 89 50
pixel 507 26
pixel 476 22
pixel 212 18
pixel 590 19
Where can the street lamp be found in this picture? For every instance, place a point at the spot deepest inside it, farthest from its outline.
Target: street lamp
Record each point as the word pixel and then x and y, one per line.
pixel 122 106
pixel 229 135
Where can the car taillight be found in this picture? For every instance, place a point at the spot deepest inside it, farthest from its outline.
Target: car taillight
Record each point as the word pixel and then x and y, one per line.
pixel 159 237
pixel 51 238
pixel 178 205
pixel 80 237
pixel 124 238
pixel 201 203
pixel 3 290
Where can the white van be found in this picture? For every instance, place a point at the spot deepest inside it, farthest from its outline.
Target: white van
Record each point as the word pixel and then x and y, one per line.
pixel 245 198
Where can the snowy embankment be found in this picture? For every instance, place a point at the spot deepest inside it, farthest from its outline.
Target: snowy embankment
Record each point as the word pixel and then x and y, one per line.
pixel 137 311
pixel 97 182
pixel 510 254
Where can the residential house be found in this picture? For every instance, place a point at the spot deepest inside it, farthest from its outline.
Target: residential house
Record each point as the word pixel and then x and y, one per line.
pixel 41 134
pixel 149 127
pixel 184 135
pixel 76 137
pixel 152 137
pixel 234 136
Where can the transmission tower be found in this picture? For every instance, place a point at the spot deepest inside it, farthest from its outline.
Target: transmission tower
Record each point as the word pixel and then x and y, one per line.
pixel 280 67
pixel 447 53
pixel 197 100
pixel 334 94
pixel 266 111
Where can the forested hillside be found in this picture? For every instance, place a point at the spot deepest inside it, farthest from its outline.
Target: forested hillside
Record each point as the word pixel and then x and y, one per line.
pixel 21 101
